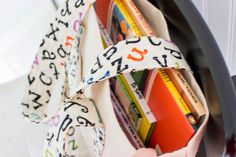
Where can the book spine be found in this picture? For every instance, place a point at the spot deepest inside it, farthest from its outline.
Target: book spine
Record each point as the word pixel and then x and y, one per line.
pixel 128 18
pixel 138 18
pixel 149 121
pixel 130 107
pixel 178 98
pixel 126 124
pixel 105 37
pixel 186 92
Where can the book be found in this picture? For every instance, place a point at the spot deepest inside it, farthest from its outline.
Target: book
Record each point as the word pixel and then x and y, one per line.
pixel 120 25
pixel 175 122
pixel 106 40
pixel 120 19
pixel 154 17
pixel 125 123
pixel 101 12
pixel 128 104
pixel 139 77
pixel 187 93
pixel 138 18
pixel 148 120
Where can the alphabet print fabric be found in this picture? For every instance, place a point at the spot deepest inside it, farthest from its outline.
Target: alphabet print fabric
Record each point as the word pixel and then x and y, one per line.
pixel 54 93
pixel 56 54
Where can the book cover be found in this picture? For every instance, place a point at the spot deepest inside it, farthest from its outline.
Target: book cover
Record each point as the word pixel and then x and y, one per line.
pixel 149 120
pixel 175 123
pixel 120 24
pixel 128 104
pixel 138 18
pixel 125 123
pixel 187 93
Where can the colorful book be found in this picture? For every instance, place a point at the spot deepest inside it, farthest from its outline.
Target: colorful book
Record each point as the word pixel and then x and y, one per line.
pixel 141 76
pixel 125 123
pixel 138 18
pixel 187 93
pixel 130 108
pixel 120 25
pixel 148 119
pixel 128 104
pixel 175 122
pixel 122 18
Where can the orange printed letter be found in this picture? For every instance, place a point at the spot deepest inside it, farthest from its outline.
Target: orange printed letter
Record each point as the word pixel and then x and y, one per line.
pixel 67 43
pixel 140 53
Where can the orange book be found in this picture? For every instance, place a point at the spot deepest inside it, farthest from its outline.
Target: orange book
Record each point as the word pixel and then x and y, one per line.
pixel 187 93
pixel 138 18
pixel 175 123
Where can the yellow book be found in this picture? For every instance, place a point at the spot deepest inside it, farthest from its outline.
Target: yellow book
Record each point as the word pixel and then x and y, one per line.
pixel 148 120
pixel 121 21
pixel 138 18
pixel 180 101
pixel 186 92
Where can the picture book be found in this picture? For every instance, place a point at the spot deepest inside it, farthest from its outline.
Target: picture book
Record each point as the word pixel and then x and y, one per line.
pixel 120 25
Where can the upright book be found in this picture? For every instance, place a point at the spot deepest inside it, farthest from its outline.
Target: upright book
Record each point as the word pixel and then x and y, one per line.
pixel 148 119
pixel 187 93
pixel 138 18
pixel 122 26
pixel 175 122
pixel 129 105
pixel 125 123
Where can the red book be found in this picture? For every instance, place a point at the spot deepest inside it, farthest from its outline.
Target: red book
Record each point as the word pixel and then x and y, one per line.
pixel 174 129
pixel 102 10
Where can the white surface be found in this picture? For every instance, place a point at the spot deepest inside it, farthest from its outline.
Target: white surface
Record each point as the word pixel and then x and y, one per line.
pixel 220 17
pixel 23 24
pixel 21 34
pixel 18 137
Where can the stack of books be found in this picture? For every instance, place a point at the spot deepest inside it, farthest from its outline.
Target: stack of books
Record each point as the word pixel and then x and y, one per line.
pixel 156 108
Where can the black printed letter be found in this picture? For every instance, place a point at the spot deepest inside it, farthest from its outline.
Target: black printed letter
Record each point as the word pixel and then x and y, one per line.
pixel 53 32
pixel 159 62
pixel 63 11
pixel 119 63
pixel 153 43
pixel 48 83
pixel 174 53
pixel 132 41
pixel 48 55
pixel 79 3
pixel 96 66
pixel 113 51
